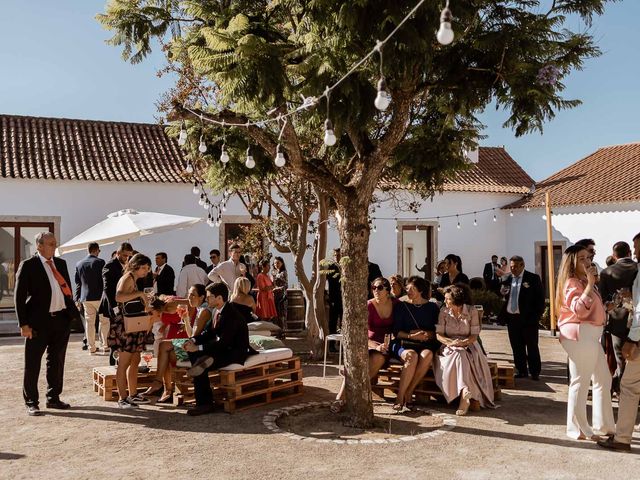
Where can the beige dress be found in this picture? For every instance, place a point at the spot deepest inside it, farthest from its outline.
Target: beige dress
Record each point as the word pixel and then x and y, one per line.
pixel 462 367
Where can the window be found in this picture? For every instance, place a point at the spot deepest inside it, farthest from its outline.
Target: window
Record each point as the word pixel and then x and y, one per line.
pixel 17 242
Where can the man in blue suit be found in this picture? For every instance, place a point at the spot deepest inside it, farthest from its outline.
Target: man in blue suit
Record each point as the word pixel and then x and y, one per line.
pixel 88 291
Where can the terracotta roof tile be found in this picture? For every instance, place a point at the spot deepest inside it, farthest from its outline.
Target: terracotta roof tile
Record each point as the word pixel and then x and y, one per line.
pixel 65 149
pixel 609 175
pixel 495 172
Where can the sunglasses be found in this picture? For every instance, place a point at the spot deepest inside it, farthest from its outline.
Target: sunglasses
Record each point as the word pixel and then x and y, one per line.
pixel 379 287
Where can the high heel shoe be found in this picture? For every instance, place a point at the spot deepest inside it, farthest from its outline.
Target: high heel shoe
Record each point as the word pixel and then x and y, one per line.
pixel 166 398
pixel 154 390
pixel 465 403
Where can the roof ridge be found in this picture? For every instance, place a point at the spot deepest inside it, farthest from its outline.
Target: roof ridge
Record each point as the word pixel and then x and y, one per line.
pixel 82 120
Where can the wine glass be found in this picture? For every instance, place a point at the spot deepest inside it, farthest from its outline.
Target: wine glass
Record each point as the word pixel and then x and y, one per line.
pixel 149 292
pixel 147 356
pixel 243 268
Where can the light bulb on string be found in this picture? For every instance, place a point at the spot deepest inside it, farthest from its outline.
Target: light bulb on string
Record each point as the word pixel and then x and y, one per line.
pixel 495 219
pixel 224 156
pixel 189 168
pixel 396 229
pixel 374 230
pixel 458 226
pixel 528 209
pixel 438 220
pixel 475 222
pixel 224 207
pixel 202 148
pixel 250 162
pixel 383 99
pixel 417 228
pixel 182 138
pixel 195 190
pixel 206 204
pixel 280 160
pixel 445 33
pixel 201 201
pixel 511 213
pixel 218 222
pixel 438 227
pixel 329 135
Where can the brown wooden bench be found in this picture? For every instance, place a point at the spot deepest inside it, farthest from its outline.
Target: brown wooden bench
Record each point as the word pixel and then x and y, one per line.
pixel 249 387
pixel 104 382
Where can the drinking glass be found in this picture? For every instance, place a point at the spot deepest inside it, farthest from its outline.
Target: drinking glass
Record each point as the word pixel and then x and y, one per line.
pixel 149 292
pixel 147 356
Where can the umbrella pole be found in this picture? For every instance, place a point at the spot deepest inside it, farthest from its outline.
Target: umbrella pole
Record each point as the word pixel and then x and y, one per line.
pixel 550 266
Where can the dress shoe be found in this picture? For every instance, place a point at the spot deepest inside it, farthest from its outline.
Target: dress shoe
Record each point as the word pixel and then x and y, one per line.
pixel 200 365
pixel 33 411
pixel 520 375
pixel 535 377
pixel 58 404
pixel 85 347
pixel 201 410
pixel 611 444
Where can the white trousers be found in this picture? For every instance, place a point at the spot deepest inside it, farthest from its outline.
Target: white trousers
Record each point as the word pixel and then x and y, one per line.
pixel 90 313
pixel 628 405
pixel 588 364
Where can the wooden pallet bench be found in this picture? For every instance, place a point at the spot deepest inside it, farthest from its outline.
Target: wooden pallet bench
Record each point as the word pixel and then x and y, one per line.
pixel 388 380
pixel 250 387
pixel 506 376
pixel 104 382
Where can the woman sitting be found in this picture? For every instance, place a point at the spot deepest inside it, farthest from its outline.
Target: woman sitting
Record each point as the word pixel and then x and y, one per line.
pixel 461 369
pixel 397 286
pixel 415 343
pixel 241 297
pixel 181 324
pixel 380 321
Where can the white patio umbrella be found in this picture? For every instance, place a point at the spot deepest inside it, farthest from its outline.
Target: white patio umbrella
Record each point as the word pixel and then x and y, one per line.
pixel 125 225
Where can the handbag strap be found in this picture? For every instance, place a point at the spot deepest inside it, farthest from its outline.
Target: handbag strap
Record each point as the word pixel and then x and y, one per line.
pixel 414 318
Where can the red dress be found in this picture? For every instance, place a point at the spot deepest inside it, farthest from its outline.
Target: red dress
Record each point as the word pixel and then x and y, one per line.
pixel 266 305
pixel 378 327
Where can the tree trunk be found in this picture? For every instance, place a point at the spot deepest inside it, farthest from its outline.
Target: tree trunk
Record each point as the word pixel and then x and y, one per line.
pixel 354 240
pixel 319 253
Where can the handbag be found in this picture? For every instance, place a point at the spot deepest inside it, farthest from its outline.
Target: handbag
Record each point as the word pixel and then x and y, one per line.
pixel 136 318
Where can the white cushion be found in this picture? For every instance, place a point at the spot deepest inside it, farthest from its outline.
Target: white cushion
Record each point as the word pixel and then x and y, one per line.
pixel 264 356
pixel 261 325
pixel 266 333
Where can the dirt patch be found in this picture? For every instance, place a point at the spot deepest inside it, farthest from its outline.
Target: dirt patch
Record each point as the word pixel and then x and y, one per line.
pixel 320 423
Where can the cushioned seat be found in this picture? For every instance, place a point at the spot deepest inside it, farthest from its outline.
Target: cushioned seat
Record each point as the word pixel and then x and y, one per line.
pixel 264 356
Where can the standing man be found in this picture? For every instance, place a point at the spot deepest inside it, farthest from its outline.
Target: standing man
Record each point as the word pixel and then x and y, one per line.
pixel 164 277
pixel 335 294
pixel 490 275
pixel 191 274
pixel 44 307
pixel 88 292
pixel 195 251
pixel 229 270
pixel 618 276
pixel 111 273
pixel 522 311
pixel 630 382
pixel 226 341
pixel 214 256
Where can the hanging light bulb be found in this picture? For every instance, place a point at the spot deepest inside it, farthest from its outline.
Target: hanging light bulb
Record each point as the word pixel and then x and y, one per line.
pixel 396 229
pixel 202 148
pixel 201 201
pixel 189 168
pixel 438 227
pixel 195 190
pixel 417 228
pixel 475 222
pixel 445 33
pixel 218 222
pixel 206 204
pixel 383 99
pixel 495 219
pixel 182 138
pixel 458 226
pixel 209 220
pixel 511 213
pixel 280 160
pixel 374 230
pixel 528 209
pixel 250 162
pixel 329 136
pixel 224 156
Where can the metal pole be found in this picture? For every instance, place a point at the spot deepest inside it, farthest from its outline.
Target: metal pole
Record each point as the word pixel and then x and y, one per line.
pixel 550 267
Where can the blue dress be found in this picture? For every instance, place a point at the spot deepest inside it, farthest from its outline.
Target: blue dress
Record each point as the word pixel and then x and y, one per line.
pixel 408 317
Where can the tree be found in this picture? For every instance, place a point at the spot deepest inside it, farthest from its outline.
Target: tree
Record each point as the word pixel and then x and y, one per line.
pixel 265 55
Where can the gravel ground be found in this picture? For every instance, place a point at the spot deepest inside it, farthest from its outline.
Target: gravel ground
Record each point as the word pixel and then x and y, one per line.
pixel 523 438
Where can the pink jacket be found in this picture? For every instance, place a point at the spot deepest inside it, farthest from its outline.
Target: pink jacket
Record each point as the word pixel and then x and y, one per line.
pixel 579 308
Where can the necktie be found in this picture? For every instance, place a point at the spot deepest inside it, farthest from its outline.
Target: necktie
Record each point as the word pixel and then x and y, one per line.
pixel 514 294
pixel 60 279
pixel 216 319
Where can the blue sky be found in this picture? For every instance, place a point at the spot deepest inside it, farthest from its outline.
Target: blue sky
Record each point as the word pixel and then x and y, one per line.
pixel 54 62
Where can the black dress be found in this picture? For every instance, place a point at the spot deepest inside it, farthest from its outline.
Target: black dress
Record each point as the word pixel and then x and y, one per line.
pixel 408 317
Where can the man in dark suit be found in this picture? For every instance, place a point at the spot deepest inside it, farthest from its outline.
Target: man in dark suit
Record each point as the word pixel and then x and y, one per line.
pixel 195 251
pixel 111 274
pixel 88 292
pixel 45 308
pixel 226 341
pixel 618 276
pixel 522 310
pixel 214 256
pixel 164 276
pixel 490 275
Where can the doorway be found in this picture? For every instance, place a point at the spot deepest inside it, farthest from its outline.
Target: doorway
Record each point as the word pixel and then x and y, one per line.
pixel 417 252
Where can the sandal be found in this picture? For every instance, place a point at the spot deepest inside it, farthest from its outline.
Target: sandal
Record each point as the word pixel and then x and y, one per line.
pixel 336 406
pixel 154 390
pixel 167 397
pixel 465 403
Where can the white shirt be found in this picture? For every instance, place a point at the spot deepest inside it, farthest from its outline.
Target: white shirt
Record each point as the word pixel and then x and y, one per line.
pixel 227 272
pixel 634 333
pixel 57 297
pixel 190 275
pixel 516 283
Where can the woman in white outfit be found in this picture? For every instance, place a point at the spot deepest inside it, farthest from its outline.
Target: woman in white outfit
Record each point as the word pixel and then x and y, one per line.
pixel 581 318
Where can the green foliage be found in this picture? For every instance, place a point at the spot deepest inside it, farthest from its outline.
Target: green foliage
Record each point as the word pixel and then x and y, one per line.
pixel 490 301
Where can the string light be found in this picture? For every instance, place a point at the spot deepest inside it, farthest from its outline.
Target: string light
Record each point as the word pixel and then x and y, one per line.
pixel 475 222
pixel 189 168
pixel 206 204
pixel 438 227
pixel 511 213
pixel 495 219
pixel 250 162
pixel 280 160
pixel 383 99
pixel 417 228
pixel 458 226
pixel 201 201
pixel 224 156
pixel 396 229
pixel 528 209
pixel 195 190
pixel 438 220
pixel 202 148
pixel 374 230
pixel 445 33
pixel 329 136
pixel 182 138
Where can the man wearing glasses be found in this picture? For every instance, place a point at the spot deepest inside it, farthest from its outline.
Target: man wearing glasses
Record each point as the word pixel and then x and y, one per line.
pixel 214 256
